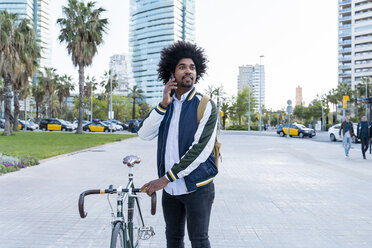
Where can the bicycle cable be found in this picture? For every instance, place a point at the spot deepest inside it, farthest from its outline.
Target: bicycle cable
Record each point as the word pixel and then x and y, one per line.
pixel 112 210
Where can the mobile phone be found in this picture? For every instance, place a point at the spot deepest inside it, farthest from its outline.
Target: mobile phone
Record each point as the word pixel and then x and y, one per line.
pixel 172 92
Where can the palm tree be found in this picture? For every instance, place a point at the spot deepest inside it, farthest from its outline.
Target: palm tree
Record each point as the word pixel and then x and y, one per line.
pixel 135 93
pixel 2 97
pixel 13 48
pixel 48 79
pixel 64 88
pixel 89 88
pixel 38 92
pixel 28 63
pixel 8 61
pixel 107 77
pixel 82 30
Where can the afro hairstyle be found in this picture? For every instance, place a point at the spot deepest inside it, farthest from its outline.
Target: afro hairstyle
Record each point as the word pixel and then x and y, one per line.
pixel 171 55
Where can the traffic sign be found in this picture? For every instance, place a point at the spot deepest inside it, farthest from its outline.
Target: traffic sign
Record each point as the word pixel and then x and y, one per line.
pixel 289 109
pixel 289 102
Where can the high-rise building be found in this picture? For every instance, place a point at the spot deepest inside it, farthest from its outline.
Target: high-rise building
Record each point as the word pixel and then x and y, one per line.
pixel 354 40
pixel 253 77
pixel 37 11
pixel 153 26
pixel 120 65
pixel 298 96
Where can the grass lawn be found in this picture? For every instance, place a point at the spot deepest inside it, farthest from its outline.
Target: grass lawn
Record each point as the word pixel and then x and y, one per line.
pixel 42 145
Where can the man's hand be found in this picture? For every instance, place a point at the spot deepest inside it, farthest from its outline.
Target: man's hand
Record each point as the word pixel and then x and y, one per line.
pixel 155 185
pixel 167 99
pixel 340 137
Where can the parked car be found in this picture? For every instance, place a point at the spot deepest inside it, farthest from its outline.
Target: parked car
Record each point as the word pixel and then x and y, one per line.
pixel 75 123
pixel 52 124
pixel 295 130
pixel 334 133
pixel 2 123
pixel 96 126
pixel 74 127
pixel 29 126
pixel 115 126
pixel 124 126
pixel 133 126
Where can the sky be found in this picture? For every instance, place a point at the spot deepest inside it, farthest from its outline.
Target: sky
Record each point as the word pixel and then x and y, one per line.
pixel 298 39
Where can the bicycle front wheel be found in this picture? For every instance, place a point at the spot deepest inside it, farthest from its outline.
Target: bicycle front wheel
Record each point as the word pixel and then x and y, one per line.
pixel 117 237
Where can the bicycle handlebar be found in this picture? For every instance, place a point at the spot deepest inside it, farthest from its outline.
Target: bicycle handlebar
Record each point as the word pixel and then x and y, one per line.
pixel 84 214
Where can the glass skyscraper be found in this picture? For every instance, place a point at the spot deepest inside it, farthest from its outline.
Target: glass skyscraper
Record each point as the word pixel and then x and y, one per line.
pixel 38 12
pixel 154 24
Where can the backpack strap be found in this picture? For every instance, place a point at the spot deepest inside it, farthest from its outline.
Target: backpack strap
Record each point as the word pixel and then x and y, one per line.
pixel 201 107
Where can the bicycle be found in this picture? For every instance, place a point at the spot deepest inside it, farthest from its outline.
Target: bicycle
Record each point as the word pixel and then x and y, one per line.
pixel 125 233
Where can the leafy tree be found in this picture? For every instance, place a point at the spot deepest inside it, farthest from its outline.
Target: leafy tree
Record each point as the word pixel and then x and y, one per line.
pixel 12 45
pixel 64 88
pixel 89 88
pixel 108 77
pixel 48 79
pixel 82 30
pixel 242 103
pixel 38 92
pixel 135 93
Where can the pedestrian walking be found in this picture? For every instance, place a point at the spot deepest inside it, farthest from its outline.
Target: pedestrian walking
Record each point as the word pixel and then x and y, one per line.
pixel 364 134
pixel 347 130
pixel 186 164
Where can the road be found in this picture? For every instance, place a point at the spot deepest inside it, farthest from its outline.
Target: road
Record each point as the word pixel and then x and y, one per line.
pixel 270 192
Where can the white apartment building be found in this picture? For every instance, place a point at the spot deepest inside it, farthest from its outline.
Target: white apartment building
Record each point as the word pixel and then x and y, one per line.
pixel 120 65
pixel 253 77
pixel 354 40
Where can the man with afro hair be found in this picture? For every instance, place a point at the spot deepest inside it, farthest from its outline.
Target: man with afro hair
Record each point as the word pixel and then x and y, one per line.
pixel 186 164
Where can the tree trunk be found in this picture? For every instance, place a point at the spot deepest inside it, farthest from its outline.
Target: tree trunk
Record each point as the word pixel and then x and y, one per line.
pixel 8 105
pixel 81 98
pixel 1 108
pixel 65 108
pixel 224 122
pixel 37 111
pixel 47 104
pixel 16 110
pixel 134 108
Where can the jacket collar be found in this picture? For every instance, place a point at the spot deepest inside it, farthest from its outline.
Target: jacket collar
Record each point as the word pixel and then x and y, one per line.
pixel 191 94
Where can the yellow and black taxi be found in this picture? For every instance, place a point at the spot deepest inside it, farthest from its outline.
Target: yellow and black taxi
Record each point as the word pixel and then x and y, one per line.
pixel 295 130
pixel 96 126
pixel 54 125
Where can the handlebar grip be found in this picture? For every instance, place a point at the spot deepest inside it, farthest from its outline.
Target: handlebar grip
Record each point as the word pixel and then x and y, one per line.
pixel 153 203
pixel 81 201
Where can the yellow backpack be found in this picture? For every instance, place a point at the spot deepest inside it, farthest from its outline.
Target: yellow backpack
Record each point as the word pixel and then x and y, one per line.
pixel 217 145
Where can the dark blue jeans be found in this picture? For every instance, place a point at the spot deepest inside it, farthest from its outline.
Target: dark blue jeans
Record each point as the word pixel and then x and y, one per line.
pixel 196 209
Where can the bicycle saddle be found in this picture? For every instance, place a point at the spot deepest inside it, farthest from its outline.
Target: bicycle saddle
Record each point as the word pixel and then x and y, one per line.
pixel 131 160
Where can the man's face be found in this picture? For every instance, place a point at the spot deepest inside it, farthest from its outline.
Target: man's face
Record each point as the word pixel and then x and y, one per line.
pixel 185 73
pixel 347 117
pixel 364 118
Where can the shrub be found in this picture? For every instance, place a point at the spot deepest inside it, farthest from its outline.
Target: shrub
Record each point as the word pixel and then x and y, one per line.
pixel 9 164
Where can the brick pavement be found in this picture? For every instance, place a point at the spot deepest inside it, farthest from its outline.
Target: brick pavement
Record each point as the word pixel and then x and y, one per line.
pixel 265 196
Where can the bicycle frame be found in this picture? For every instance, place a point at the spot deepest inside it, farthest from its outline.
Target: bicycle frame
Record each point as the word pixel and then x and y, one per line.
pixel 128 228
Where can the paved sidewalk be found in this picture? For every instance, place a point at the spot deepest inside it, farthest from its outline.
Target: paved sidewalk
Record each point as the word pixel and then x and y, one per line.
pixel 271 192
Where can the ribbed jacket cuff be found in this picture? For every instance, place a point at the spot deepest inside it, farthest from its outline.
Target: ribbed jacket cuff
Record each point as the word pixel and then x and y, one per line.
pixel 170 176
pixel 160 109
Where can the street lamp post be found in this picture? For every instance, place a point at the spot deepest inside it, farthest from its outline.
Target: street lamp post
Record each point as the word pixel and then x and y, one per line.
pixel 91 102
pixel 110 103
pixel 366 94
pixel 260 122
pixel 249 106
